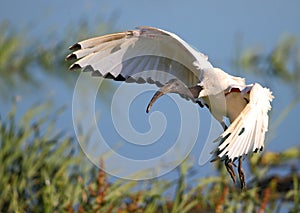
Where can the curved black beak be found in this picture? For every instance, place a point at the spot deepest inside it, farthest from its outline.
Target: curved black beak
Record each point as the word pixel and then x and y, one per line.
pixel 174 86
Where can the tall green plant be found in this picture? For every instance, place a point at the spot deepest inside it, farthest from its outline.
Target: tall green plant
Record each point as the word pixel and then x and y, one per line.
pixel 38 167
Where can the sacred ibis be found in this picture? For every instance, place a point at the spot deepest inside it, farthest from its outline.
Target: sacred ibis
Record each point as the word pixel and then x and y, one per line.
pixel 152 55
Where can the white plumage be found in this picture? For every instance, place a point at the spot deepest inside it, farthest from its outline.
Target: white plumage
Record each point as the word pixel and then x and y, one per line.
pixel 247 132
pixel 156 56
pixel 131 52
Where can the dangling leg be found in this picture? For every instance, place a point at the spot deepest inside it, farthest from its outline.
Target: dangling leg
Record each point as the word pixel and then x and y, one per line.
pixel 241 173
pixel 229 167
pixel 228 163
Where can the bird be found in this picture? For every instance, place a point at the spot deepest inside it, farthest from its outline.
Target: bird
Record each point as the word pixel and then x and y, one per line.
pixel 156 56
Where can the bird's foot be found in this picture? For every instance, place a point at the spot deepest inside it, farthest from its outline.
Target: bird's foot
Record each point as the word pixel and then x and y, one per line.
pixel 229 166
pixel 241 173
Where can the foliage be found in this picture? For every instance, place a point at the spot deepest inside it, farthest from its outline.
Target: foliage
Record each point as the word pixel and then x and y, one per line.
pixel 35 163
pixel 13 59
pixel 283 61
pixel 40 170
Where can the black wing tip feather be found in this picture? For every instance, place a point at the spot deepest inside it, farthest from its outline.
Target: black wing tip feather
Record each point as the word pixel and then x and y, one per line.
pixel 96 73
pixel 75 67
pixel 226 158
pixel 75 47
pixel 117 78
pixel 259 149
pixel 71 57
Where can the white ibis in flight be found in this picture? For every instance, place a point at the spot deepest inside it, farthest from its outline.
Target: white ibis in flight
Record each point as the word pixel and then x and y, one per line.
pixel 152 55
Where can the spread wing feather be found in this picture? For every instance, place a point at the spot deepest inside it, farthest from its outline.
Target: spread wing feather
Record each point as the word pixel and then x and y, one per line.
pixel 126 55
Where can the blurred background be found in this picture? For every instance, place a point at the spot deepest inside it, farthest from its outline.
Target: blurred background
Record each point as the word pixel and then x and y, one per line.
pixel 42 163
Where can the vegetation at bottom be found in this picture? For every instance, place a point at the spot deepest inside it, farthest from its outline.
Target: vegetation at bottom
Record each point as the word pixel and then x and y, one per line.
pixel 42 169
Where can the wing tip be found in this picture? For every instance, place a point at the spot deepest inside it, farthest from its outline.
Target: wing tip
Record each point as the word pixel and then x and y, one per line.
pixel 260 149
pixel 74 47
pixel 74 67
pixel 71 57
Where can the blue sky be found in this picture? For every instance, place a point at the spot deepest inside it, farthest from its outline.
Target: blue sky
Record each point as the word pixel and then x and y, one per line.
pixel 199 22
pixel 211 26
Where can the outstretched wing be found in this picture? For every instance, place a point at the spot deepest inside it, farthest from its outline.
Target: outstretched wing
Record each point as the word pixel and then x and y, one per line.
pixel 143 55
pixel 247 132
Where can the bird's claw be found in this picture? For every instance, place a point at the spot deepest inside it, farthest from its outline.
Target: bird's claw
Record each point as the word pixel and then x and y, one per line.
pixel 229 166
pixel 241 174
